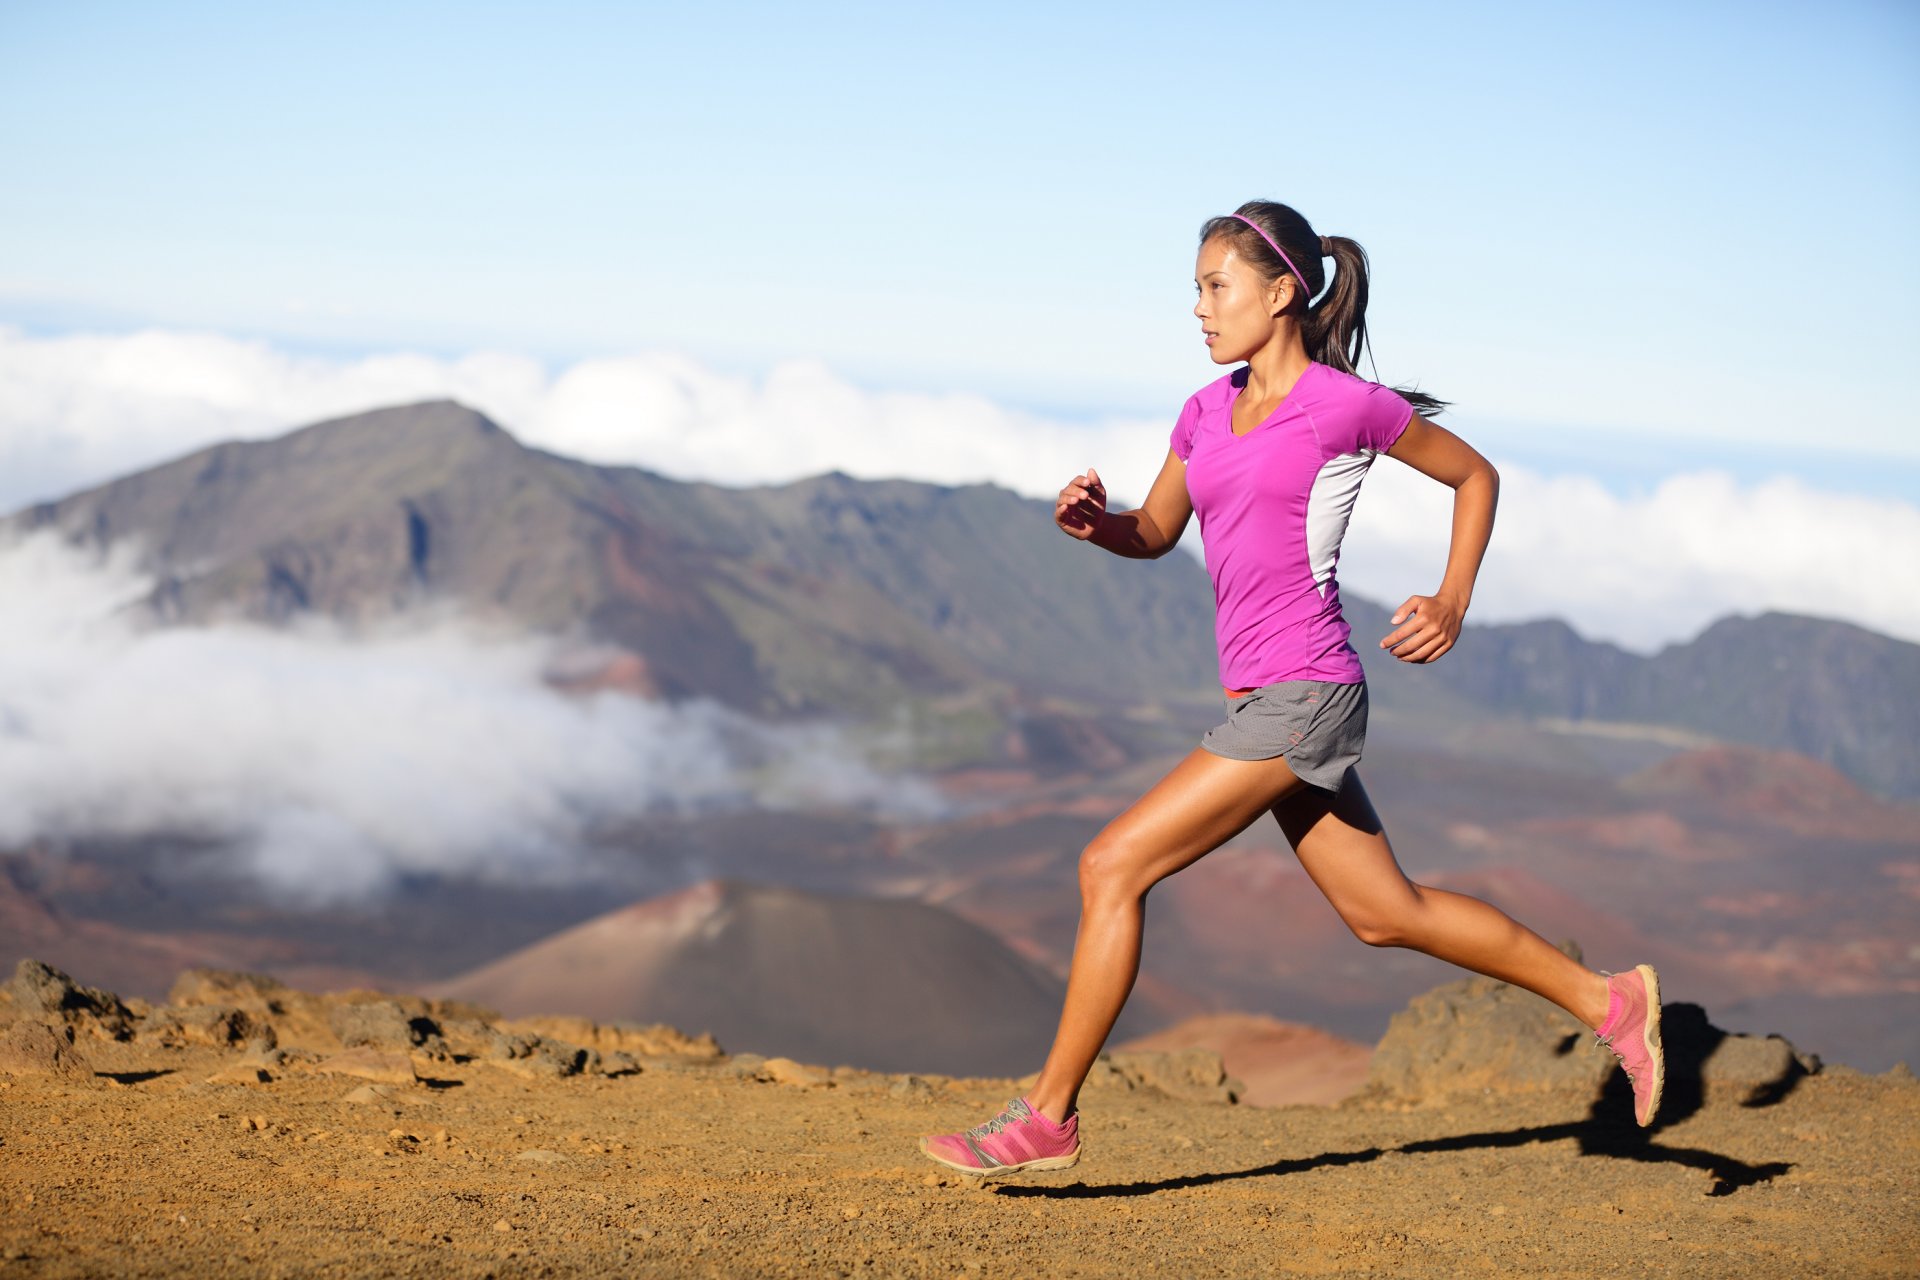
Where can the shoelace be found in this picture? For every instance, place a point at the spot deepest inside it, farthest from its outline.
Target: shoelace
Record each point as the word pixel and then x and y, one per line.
pixel 999 1122
pixel 1606 1042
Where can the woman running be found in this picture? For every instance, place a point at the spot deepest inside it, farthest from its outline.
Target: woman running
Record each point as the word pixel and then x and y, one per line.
pixel 1270 457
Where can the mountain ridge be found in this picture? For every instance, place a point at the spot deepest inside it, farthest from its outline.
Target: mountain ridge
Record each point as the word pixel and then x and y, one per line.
pixel 833 595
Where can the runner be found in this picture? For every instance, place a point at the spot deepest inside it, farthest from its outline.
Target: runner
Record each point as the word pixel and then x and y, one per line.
pixel 1270 458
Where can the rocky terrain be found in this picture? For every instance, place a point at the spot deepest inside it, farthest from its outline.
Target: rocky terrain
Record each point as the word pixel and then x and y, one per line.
pixel 244 1128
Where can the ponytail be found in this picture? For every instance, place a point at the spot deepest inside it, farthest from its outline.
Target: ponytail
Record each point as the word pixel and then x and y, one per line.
pixel 1278 241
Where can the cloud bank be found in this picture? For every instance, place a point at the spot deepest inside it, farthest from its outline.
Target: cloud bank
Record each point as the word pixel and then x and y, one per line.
pixel 1652 568
pixel 330 766
pixel 1641 568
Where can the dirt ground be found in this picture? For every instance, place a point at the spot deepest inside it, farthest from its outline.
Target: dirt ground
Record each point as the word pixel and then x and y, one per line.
pixel 704 1168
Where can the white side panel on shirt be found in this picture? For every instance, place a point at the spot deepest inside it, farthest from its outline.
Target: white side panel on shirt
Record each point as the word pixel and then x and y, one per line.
pixel 1329 503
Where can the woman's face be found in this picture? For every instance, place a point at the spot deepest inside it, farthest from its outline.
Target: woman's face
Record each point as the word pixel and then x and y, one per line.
pixel 1236 308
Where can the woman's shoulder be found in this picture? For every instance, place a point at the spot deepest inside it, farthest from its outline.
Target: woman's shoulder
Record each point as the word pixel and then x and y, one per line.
pixel 1352 414
pixel 1341 388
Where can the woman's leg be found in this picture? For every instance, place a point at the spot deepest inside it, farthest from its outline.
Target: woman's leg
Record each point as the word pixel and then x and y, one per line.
pixel 1343 847
pixel 1204 802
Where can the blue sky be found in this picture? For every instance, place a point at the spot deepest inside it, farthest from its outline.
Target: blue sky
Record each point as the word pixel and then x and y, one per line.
pixel 1624 241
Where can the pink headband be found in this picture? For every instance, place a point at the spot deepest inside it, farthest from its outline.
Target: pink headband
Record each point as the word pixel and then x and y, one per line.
pixel 1277 249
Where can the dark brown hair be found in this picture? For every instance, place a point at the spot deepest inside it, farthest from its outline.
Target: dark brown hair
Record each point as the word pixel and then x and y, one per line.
pixel 1334 329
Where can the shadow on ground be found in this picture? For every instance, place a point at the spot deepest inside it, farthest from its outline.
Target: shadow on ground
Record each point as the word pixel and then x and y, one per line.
pixel 1608 1131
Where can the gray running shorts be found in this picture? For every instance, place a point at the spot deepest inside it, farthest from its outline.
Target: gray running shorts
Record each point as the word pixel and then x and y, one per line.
pixel 1319 727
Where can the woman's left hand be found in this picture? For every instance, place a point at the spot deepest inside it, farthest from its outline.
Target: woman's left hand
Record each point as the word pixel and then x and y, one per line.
pixel 1432 624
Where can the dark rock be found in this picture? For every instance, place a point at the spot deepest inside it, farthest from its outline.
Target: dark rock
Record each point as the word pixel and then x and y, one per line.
pixel 551 1060
pixel 498 1046
pixel 43 992
pixel 1706 1065
pixel 1481 1035
pixel 212 1024
pixel 381 1023
pixel 537 1057
pixel 1750 1061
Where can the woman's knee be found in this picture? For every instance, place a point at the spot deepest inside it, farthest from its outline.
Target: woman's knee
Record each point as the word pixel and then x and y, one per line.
pixel 1392 922
pixel 1378 931
pixel 1110 867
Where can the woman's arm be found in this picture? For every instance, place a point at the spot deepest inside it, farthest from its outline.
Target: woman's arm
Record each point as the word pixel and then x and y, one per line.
pixel 1432 623
pixel 1146 533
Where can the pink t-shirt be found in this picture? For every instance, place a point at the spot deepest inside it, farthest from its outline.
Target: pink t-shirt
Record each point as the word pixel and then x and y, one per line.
pixel 1273 506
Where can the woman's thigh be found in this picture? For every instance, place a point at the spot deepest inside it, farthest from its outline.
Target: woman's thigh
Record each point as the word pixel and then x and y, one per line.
pixel 1343 848
pixel 1202 803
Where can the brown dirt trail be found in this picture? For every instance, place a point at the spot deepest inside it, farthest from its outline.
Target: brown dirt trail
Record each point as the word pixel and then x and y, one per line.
pixel 694 1163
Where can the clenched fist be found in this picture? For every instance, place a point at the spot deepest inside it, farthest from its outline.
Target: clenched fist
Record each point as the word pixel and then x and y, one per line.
pixel 1080 505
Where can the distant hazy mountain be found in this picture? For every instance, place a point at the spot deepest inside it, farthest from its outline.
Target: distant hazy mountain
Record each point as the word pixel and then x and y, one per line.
pixel 858 597
pixel 1830 690
pixel 827 594
pixel 886 985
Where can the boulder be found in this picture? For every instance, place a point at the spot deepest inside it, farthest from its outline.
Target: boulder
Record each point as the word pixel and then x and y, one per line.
pixel 1192 1074
pixel 642 1040
pixel 298 1017
pixel 43 993
pixel 1479 1035
pixel 32 1047
pixel 1482 1036
pixel 538 1058
pixel 381 1023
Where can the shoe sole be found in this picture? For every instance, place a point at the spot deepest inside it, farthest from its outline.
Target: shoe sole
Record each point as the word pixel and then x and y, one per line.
pixel 1040 1165
pixel 1650 1040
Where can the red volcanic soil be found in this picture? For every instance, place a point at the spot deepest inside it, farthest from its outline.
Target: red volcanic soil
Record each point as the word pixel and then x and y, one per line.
pixel 1779 787
pixel 135 960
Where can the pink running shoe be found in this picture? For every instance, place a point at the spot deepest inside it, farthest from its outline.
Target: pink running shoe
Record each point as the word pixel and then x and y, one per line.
pixel 1015 1141
pixel 1632 1032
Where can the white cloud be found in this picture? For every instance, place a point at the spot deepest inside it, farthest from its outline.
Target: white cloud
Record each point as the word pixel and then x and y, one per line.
pixel 333 764
pixel 76 411
pixel 1652 567
pixel 79 410
pixel 1640 569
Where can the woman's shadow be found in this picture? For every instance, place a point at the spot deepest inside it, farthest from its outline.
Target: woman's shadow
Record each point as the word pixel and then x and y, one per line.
pixel 1608 1131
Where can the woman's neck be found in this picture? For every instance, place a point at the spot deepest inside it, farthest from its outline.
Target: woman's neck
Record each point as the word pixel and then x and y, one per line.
pixel 1274 368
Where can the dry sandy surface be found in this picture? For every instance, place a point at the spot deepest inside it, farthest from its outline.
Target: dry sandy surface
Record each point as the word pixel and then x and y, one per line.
pixel 689 1162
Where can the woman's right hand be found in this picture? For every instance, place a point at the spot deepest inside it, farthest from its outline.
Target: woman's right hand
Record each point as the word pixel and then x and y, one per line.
pixel 1080 505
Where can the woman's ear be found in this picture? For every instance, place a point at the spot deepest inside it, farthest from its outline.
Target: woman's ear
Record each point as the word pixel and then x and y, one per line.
pixel 1280 295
